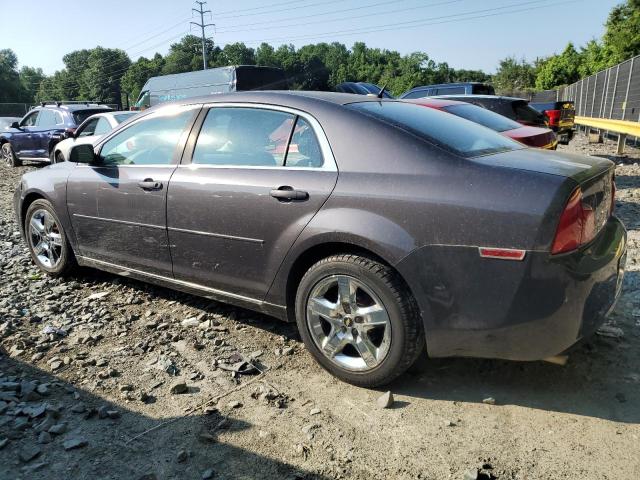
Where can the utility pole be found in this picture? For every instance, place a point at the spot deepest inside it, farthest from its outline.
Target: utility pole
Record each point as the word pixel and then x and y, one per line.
pixel 202 26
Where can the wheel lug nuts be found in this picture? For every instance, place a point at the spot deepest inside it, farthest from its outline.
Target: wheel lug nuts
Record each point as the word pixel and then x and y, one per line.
pixel 354 332
pixel 358 319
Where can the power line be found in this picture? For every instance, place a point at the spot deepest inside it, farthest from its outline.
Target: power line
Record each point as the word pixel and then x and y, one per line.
pixel 202 26
pixel 417 23
pixel 377 14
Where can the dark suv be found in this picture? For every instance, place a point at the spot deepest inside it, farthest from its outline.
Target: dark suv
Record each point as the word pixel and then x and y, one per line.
pixel 34 137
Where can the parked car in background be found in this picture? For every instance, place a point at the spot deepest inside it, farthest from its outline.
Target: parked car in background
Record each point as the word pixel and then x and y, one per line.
pixel 89 131
pixel 206 82
pixel 560 118
pixel 531 136
pixel 517 109
pixel 35 136
pixel 391 226
pixel 6 122
pixel 460 88
pixel 362 88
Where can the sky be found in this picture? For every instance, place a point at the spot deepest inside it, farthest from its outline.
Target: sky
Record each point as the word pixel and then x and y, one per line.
pixel 471 34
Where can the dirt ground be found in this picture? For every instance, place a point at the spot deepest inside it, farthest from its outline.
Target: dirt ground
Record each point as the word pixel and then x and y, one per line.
pixel 88 364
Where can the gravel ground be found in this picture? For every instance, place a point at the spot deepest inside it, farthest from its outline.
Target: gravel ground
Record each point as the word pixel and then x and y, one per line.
pixel 103 377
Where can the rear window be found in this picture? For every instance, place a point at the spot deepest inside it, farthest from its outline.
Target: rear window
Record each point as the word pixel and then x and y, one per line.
pixel 485 117
pixel 260 79
pixel 81 115
pixel 450 91
pixel 442 129
pixel 483 90
pixel 528 115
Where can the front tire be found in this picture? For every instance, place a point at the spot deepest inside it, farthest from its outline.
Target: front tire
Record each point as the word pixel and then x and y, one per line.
pixel 358 319
pixel 47 241
pixel 9 155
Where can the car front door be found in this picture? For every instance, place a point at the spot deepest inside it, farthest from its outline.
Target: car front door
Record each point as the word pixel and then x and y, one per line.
pixel 118 205
pixel 22 138
pixel 250 180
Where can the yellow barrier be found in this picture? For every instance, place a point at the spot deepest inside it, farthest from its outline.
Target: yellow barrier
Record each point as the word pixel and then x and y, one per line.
pixel 622 127
pixel 617 126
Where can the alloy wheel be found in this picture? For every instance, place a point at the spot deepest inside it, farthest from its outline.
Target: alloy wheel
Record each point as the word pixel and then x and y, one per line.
pixel 45 239
pixel 348 323
pixel 7 155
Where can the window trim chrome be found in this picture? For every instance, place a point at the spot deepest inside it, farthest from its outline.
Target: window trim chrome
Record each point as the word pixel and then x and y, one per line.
pixel 329 164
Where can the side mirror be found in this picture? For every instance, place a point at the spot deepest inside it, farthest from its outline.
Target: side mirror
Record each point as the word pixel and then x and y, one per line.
pixel 15 125
pixel 82 153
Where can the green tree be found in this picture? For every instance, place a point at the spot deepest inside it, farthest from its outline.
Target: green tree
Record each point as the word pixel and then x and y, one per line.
pixel 11 89
pixel 514 75
pixel 186 55
pixel 137 75
pixel 105 68
pixel 560 69
pixel 621 39
pixel 30 79
pixel 237 54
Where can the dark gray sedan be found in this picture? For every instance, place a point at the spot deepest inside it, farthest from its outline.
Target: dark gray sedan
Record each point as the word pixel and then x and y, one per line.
pixel 378 226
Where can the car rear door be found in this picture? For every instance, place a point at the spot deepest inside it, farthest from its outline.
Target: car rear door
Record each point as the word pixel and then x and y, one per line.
pixel 251 179
pixel 118 206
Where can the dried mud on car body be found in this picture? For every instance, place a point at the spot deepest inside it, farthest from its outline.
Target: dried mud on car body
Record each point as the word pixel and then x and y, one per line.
pixel 116 348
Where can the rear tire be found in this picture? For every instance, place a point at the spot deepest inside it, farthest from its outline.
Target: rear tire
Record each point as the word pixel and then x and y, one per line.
pixel 47 241
pixel 9 155
pixel 370 338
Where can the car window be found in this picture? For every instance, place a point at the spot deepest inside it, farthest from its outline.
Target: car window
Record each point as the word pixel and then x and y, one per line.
pixel 80 116
pixel 483 116
pixel 88 129
pixel 47 118
pixel 59 119
pixel 304 149
pixel 482 90
pixel 525 113
pixel 30 120
pixel 450 91
pixel 439 128
pixel 243 137
pixel 102 127
pixel 417 94
pixel 151 141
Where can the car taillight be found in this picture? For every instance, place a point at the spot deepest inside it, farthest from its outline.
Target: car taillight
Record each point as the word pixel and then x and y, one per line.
pixel 613 194
pixel 577 225
pixel 553 116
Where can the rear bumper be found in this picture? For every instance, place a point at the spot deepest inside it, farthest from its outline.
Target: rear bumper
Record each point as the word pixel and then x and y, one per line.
pixel 526 310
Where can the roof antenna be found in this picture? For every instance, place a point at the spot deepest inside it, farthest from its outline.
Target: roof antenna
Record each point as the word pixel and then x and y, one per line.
pixel 381 92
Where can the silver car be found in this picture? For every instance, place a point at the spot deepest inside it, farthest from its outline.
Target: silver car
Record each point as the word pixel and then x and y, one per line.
pixel 89 131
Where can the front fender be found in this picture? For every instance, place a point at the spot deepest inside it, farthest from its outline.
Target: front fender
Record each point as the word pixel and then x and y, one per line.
pixel 49 183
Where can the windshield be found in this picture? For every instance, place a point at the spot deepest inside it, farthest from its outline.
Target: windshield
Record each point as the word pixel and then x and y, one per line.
pixel 121 117
pixel 485 117
pixel 447 131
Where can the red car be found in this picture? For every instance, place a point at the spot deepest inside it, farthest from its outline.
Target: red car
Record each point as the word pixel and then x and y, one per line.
pixel 530 136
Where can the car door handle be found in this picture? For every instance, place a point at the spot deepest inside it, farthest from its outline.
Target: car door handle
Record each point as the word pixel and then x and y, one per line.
pixel 150 184
pixel 286 193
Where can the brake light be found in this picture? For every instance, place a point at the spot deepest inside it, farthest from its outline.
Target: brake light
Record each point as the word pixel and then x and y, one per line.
pixel 577 225
pixel 613 194
pixel 553 116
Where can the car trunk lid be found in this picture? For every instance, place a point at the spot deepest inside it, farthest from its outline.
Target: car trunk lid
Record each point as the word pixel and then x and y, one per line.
pixel 533 136
pixel 577 167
